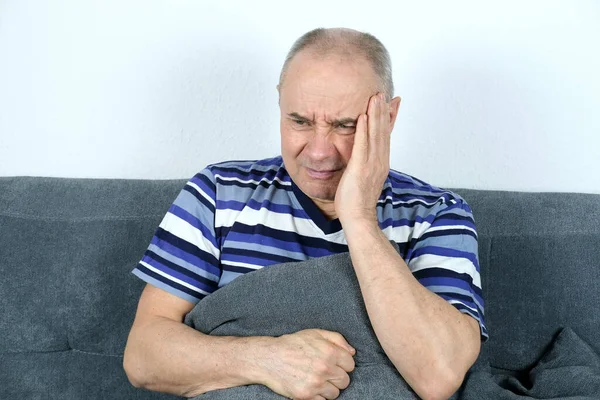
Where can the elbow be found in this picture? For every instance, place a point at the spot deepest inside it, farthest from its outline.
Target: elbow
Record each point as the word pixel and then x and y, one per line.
pixel 133 370
pixel 441 385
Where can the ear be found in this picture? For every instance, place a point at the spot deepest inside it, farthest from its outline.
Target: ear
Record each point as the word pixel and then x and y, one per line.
pixel 394 107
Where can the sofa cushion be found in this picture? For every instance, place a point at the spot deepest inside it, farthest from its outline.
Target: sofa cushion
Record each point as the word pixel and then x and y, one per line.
pixel 540 266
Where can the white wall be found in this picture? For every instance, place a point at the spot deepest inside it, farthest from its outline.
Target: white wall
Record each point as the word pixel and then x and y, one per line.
pixel 502 96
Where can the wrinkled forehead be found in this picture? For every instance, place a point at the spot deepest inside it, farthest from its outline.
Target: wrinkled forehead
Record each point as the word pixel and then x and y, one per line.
pixel 327 87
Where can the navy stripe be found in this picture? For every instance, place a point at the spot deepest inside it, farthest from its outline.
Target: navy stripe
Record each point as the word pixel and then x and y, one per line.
pixel 443 232
pixel 207 182
pixel 200 198
pixel 285 236
pixel 454 217
pixel 258 254
pixel 236 268
pixel 251 173
pixel 447 273
pixel 315 213
pixel 181 270
pixel 186 246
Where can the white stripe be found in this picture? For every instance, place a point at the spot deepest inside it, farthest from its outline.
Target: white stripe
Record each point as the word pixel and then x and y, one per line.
pixel 403 232
pixel 184 230
pixel 241 264
pixel 207 197
pixel 284 222
pixel 233 178
pixel 407 201
pixel 305 227
pixel 458 265
pixel 171 278
pixel 451 301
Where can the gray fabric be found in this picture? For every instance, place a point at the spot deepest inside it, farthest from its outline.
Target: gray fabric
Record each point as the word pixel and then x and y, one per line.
pixel 67 248
pixel 286 298
pixel 569 370
pixel 540 263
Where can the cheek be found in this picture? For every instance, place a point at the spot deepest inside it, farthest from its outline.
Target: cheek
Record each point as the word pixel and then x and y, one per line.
pixel 292 142
pixel 344 147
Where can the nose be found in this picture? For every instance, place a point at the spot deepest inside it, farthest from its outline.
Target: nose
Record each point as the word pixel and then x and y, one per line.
pixel 321 147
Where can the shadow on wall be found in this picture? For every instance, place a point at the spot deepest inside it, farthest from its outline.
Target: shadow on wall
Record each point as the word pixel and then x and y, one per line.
pixel 221 98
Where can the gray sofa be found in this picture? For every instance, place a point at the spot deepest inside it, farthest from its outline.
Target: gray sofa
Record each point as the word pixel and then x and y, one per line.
pixel 68 299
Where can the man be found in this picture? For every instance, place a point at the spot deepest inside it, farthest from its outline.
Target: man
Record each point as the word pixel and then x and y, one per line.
pixel 331 191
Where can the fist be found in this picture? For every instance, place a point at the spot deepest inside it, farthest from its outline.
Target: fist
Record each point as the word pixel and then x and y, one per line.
pixel 309 364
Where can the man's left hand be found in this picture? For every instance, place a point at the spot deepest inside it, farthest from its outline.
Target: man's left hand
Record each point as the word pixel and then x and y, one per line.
pixel 369 165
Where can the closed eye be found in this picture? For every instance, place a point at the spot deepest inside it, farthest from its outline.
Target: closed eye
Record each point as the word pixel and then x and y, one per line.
pixel 346 127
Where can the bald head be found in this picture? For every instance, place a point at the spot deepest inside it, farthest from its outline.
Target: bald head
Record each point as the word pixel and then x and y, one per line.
pixel 348 45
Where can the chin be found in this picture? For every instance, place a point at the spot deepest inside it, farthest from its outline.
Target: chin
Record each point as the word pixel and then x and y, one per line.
pixel 318 190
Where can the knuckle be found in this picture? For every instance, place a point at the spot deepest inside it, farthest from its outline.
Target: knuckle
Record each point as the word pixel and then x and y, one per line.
pixel 302 394
pixel 320 367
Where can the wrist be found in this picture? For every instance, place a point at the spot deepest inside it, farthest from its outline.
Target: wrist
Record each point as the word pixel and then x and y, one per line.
pixel 253 354
pixel 358 222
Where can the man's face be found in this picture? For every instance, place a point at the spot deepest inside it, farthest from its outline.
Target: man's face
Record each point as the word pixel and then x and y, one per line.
pixel 320 101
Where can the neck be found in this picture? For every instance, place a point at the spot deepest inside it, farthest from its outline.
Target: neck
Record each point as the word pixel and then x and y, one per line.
pixel 327 208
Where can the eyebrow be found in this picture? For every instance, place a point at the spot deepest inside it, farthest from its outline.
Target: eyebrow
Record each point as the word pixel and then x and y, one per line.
pixel 341 121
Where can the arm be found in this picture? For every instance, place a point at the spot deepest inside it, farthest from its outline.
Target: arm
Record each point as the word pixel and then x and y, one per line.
pixel 430 342
pixel 163 354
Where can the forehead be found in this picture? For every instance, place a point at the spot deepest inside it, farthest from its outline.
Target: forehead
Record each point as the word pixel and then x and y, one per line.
pixel 327 86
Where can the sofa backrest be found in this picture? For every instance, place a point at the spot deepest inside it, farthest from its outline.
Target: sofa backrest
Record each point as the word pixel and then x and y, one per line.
pixel 67 247
pixel 540 261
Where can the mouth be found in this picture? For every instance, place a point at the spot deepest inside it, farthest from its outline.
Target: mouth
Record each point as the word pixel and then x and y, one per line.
pixel 320 174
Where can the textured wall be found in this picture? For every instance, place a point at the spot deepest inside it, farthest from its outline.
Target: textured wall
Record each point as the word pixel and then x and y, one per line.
pixel 496 97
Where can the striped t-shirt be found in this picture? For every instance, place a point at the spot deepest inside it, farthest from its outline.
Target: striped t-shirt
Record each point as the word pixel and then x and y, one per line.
pixel 239 216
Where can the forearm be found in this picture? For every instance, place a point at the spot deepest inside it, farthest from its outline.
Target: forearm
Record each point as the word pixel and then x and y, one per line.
pixel 425 337
pixel 168 356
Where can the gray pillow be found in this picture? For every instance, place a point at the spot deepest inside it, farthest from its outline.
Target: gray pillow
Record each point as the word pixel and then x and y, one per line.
pixel 285 298
pixel 569 370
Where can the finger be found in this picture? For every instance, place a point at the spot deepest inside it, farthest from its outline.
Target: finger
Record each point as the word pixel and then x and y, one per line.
pixel 360 149
pixel 374 113
pixel 338 339
pixel 346 362
pixel 330 391
pixel 379 147
pixel 342 380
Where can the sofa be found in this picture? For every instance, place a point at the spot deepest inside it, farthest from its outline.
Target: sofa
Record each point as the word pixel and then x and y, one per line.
pixel 68 298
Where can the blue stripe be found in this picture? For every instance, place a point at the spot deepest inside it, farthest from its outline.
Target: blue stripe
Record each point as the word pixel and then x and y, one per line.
pixel 205 185
pixel 265 184
pixel 405 222
pixel 186 251
pixel 444 252
pixel 265 204
pixel 450 281
pixel 177 271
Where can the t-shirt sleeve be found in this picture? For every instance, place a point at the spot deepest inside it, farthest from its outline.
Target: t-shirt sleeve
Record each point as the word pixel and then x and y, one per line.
pixel 183 256
pixel 444 259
